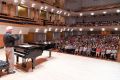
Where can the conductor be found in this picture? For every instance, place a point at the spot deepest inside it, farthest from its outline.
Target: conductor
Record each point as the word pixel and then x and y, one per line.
pixel 9 41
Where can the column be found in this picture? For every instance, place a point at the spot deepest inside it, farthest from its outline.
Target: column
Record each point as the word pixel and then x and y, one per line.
pixel 118 54
pixel 16 13
pixel 0 6
pixel 28 12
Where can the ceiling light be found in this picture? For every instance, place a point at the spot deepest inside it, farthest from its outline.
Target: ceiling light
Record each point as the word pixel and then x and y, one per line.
pixel 64 29
pixel 61 30
pixel 65 13
pixel 104 12
pixel 22 1
pixel 103 29
pixel 60 12
pixel 118 10
pixel 71 29
pixel 91 29
pixel 15 1
pixel 37 30
pixel 56 30
pixel 50 29
pixel 46 7
pixel 92 13
pixel 80 29
pixel 116 29
pixel 52 10
pixel 20 32
pixel 68 14
pixel 81 14
pixel 33 5
pixel 45 30
pixel 41 8
pixel 57 12
pixel 68 29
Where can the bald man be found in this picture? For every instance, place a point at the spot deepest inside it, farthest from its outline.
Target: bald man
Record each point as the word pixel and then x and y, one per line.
pixel 9 41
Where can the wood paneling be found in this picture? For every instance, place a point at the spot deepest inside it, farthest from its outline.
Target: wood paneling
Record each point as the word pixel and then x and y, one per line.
pixel 12 10
pixel 62 35
pixel 29 37
pixel 22 11
pixel 4 8
pixel 1 41
pixel 49 36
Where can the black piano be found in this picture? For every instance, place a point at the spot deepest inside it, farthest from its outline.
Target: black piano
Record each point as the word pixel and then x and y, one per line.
pixel 45 46
pixel 27 52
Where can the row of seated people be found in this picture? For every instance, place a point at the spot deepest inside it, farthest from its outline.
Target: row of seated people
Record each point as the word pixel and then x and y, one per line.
pixel 99 23
pixel 91 45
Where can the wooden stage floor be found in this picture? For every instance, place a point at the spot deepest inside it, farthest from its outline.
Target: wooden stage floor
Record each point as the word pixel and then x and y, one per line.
pixel 65 67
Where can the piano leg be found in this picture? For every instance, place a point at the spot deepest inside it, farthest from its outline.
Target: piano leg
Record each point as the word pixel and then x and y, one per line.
pixel 23 62
pixel 17 59
pixel 33 63
pixel 49 53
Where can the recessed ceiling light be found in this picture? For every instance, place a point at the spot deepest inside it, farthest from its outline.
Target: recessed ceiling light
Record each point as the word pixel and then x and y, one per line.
pixel 92 13
pixel 65 13
pixel 72 29
pixel 68 29
pixel 118 10
pixel 61 30
pixel 81 14
pixel 56 30
pixel 45 30
pixel 103 29
pixel 50 29
pixel 46 7
pixel 91 29
pixel 68 14
pixel 22 1
pixel 37 30
pixel 52 10
pixel 80 29
pixel 20 32
pixel 41 8
pixel 15 1
pixel 104 12
pixel 33 5
pixel 58 12
pixel 116 29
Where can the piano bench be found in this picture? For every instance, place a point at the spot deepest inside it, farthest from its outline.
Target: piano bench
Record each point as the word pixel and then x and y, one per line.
pixel 4 65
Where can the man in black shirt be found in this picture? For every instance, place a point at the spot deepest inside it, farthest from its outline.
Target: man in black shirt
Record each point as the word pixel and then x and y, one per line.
pixel 9 41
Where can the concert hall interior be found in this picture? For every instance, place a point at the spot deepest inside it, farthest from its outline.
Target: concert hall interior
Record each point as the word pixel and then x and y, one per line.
pixel 59 39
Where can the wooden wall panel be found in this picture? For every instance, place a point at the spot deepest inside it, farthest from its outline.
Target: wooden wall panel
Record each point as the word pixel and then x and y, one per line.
pixel 62 35
pixel 36 15
pixel 4 8
pixel 1 41
pixel 12 10
pixel 22 11
pixel 49 36
pixel 32 13
pixel 29 37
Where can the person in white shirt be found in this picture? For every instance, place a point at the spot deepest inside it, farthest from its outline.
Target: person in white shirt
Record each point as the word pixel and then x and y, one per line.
pixel 81 50
pixel 84 50
pixel 103 52
pixel 114 53
pixel 108 52
pixel 88 51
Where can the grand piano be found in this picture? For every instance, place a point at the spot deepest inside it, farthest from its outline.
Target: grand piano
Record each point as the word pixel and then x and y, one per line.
pixel 32 50
pixel 45 45
pixel 27 51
